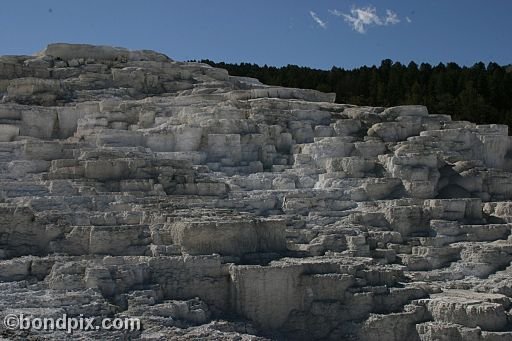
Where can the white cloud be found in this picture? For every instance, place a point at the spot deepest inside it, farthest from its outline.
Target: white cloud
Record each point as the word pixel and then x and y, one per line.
pixel 391 18
pixel 360 18
pixel 409 20
pixel 319 21
pixel 335 12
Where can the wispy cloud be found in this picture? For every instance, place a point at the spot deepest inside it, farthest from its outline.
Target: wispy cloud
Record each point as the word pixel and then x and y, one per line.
pixel 360 18
pixel 391 18
pixel 409 20
pixel 317 19
pixel 336 12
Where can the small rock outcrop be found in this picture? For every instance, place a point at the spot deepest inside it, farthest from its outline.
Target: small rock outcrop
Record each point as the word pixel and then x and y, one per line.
pixel 216 207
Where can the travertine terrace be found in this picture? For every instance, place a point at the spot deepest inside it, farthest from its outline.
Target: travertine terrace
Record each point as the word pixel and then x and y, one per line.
pixel 216 207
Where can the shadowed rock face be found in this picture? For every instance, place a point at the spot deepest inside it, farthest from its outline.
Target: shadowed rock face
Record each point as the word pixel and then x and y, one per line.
pixel 212 206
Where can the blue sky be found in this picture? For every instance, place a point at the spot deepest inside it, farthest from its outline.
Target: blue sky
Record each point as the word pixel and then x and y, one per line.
pixel 315 33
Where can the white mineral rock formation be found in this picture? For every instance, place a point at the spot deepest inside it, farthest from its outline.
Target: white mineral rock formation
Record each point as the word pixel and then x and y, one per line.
pixel 216 207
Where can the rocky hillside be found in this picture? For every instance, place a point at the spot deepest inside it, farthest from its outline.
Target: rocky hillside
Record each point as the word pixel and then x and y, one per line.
pixel 216 207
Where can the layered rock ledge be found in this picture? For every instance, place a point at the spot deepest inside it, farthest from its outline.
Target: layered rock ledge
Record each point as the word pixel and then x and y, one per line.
pixel 216 207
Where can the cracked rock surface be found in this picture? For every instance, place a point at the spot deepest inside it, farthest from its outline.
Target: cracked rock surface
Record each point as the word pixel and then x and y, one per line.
pixel 216 207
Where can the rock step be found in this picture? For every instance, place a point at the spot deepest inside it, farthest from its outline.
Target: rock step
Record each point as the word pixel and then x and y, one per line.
pixel 488 311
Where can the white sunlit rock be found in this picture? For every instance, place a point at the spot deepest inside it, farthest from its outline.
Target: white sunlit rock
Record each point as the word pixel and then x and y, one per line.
pixel 216 207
